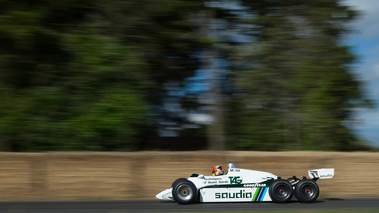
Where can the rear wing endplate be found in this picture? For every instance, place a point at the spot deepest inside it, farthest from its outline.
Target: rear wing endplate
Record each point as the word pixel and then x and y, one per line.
pixel 321 173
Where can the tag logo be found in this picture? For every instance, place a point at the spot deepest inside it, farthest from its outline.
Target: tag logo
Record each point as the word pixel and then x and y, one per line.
pixel 235 180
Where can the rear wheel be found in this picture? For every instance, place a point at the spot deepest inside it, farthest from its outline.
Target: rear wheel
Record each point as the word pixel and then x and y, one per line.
pixel 184 191
pixel 281 191
pixel 306 191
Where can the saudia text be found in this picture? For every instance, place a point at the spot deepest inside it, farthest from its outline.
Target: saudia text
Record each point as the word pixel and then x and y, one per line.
pixel 240 194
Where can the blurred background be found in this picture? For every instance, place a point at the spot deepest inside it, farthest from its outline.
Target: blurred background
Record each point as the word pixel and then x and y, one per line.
pixel 127 75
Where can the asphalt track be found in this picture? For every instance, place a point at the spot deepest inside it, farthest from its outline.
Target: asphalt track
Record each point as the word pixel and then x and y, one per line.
pixel 159 206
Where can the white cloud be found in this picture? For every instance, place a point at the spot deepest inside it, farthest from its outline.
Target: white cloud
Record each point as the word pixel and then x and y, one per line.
pixel 376 71
pixel 368 71
pixel 365 38
pixel 367 24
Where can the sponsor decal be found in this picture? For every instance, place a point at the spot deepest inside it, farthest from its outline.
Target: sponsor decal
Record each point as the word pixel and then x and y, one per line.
pixel 255 185
pixel 215 181
pixel 258 195
pixel 212 178
pixel 235 180
pixel 237 183
pixel 231 195
pixel 234 170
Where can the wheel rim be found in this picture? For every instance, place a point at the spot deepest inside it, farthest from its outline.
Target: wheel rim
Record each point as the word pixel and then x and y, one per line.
pixel 282 191
pixel 308 190
pixel 185 192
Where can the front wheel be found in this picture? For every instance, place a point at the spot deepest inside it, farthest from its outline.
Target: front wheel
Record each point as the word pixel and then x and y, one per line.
pixel 184 191
pixel 306 191
pixel 281 191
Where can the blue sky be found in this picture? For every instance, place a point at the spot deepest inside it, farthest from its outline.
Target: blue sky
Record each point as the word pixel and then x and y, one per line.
pixel 365 43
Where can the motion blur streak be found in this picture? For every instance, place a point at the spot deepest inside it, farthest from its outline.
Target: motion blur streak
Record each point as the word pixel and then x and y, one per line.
pixel 127 75
pixel 142 175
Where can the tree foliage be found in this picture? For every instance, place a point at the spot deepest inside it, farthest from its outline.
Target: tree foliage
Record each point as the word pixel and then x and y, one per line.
pixel 80 75
pixel 297 88
pixel 94 74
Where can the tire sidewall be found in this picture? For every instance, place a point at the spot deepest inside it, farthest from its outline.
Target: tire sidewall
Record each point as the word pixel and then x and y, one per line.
pixel 178 185
pixel 306 197
pixel 277 186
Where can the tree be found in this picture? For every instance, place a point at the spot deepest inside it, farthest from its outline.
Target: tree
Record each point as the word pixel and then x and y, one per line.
pixel 297 88
pixel 98 75
pixel 82 75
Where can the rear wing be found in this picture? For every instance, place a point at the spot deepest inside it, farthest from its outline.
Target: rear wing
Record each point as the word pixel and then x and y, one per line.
pixel 321 173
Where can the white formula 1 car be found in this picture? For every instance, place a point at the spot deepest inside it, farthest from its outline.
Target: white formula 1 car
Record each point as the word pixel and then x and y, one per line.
pixel 243 185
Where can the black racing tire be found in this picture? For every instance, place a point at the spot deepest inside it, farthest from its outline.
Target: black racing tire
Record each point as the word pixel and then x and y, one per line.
pixel 281 191
pixel 177 180
pixel 184 191
pixel 306 191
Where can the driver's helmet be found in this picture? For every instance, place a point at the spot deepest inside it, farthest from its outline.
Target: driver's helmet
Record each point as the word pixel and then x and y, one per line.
pixel 217 170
